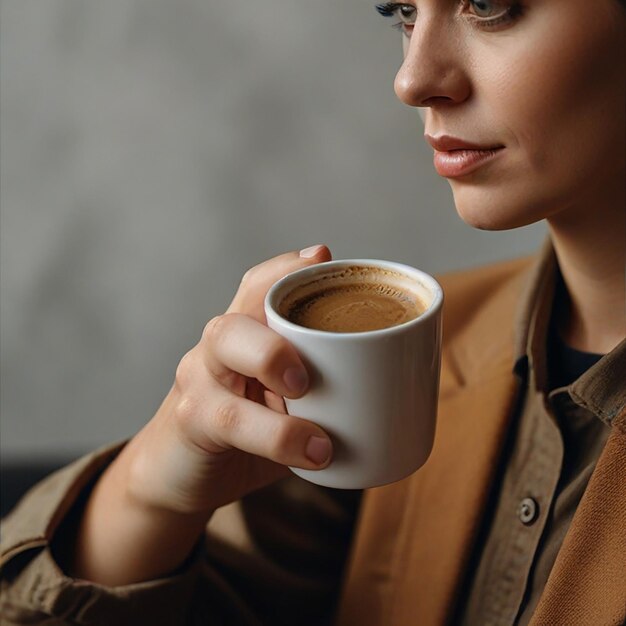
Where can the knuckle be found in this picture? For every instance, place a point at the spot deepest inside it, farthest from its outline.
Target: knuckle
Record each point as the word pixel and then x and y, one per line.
pixel 216 327
pixel 226 416
pixel 186 410
pixel 284 441
pixel 249 275
pixel 271 356
pixel 212 328
pixel 184 370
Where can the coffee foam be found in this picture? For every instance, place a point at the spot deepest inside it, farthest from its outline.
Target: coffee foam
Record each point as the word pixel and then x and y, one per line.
pixel 353 299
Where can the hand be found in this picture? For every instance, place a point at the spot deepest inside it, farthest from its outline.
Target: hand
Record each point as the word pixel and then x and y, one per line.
pixel 223 429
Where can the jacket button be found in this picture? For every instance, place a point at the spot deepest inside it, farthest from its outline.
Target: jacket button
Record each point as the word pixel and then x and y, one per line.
pixel 528 511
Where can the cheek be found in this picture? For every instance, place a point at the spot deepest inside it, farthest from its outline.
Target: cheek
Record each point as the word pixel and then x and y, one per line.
pixel 565 102
pixel 560 107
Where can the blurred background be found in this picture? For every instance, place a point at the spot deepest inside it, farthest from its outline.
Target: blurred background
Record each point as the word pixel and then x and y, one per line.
pixel 152 151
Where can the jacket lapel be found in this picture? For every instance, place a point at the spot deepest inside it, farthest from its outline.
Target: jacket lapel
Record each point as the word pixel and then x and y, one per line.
pixel 587 584
pixel 442 523
pixel 415 537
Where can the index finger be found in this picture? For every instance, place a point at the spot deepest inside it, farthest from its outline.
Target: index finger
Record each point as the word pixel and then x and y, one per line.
pixel 257 281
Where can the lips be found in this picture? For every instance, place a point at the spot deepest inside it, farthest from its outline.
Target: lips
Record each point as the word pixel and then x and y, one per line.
pixel 457 157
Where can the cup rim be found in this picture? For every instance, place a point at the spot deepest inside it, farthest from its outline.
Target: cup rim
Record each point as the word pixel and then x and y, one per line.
pixel 402 268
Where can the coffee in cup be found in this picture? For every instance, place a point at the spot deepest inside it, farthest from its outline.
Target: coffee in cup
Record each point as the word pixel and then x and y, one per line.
pixel 353 299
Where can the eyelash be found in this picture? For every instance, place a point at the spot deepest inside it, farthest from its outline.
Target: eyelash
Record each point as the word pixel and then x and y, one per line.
pixel 390 9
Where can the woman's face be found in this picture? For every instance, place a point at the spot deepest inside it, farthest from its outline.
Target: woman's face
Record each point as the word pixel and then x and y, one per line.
pixel 543 79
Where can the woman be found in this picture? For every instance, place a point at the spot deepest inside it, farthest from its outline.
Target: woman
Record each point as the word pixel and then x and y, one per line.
pixel 518 517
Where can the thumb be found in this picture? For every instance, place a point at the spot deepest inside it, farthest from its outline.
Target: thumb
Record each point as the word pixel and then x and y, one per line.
pixel 257 281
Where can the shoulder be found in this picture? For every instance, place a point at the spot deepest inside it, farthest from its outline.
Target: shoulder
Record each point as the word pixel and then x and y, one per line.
pixel 484 277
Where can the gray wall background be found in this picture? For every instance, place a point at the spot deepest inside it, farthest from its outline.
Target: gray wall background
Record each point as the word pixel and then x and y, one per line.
pixel 152 151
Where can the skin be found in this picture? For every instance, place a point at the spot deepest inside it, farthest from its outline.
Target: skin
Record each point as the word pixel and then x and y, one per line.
pixel 550 88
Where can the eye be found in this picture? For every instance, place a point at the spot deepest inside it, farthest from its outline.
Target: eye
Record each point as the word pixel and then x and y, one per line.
pixel 406 13
pixel 488 8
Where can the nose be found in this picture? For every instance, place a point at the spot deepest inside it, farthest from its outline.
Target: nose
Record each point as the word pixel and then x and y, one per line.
pixel 432 73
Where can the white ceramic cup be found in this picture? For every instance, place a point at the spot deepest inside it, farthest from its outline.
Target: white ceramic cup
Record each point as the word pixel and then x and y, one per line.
pixel 374 392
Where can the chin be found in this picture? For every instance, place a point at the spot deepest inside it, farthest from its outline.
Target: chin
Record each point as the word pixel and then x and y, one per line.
pixel 485 209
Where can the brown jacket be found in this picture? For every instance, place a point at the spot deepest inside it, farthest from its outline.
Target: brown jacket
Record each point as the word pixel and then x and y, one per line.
pixel 415 536
pixel 412 540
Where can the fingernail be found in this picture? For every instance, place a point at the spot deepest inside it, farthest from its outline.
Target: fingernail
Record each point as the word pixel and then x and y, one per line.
pixel 311 251
pixel 318 449
pixel 296 379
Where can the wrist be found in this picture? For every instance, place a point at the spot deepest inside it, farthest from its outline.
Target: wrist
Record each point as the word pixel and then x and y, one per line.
pixel 162 475
pixel 120 537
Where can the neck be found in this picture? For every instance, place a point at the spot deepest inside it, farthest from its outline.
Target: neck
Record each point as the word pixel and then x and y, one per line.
pixel 590 245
